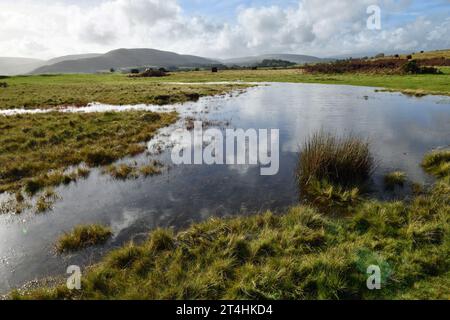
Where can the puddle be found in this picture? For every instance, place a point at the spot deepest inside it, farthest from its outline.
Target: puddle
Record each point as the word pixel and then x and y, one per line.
pixel 401 129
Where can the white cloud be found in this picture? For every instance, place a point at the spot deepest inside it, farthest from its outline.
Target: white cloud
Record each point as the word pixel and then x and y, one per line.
pixel 46 29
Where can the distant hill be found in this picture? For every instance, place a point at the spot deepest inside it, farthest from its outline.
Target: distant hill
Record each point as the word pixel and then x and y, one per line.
pixel 126 58
pixel 250 61
pixel 72 57
pixel 13 66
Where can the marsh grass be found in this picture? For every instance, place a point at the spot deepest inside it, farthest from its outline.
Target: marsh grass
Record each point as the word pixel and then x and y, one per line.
pixel 83 236
pixel 133 171
pixel 36 150
pixel 393 179
pixel 333 170
pixel 45 202
pixel 437 163
pixel 151 169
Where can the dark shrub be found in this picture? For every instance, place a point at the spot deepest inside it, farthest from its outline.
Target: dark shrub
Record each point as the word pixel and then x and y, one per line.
pixel 411 67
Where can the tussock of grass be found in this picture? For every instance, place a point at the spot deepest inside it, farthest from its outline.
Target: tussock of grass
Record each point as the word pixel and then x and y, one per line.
pixel 128 171
pixel 151 169
pixel 45 202
pixel 34 152
pixel 121 171
pixel 437 163
pixel 393 179
pixel 344 161
pixel 332 169
pixel 83 236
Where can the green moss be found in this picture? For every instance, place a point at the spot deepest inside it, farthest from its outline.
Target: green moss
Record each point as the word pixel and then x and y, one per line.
pixel 83 236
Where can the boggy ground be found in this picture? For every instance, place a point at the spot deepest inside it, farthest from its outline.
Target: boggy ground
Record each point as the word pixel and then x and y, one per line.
pixel 37 149
pixel 302 254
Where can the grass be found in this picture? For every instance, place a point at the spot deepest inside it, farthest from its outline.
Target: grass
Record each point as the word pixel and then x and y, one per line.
pixel 127 171
pixel 83 236
pixel 331 169
pixel 437 163
pixel 45 202
pixel 393 179
pixel 79 90
pixel 301 254
pixel 36 153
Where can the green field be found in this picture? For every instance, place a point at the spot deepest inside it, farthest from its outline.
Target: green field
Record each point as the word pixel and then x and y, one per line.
pixel 51 91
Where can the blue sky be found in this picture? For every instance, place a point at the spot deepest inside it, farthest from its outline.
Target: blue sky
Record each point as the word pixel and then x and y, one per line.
pixel 226 28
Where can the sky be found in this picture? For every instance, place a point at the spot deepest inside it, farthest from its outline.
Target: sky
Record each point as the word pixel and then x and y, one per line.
pixel 221 29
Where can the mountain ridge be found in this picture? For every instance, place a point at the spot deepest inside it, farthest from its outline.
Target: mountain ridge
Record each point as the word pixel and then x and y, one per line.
pixel 126 58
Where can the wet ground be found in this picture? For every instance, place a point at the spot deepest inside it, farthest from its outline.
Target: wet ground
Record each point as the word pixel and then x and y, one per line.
pixel 401 130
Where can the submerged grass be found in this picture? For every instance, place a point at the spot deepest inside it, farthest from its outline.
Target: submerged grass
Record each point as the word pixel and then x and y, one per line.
pixel 130 171
pixel 393 179
pixel 36 150
pixel 83 236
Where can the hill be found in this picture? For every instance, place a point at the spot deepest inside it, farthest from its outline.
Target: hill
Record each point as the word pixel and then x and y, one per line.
pixel 126 58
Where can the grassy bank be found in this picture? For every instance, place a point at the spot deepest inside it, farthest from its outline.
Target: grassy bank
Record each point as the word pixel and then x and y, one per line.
pixel 302 254
pixel 57 90
pixel 36 150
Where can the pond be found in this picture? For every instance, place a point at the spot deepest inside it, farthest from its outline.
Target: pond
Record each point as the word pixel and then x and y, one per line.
pixel 401 130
